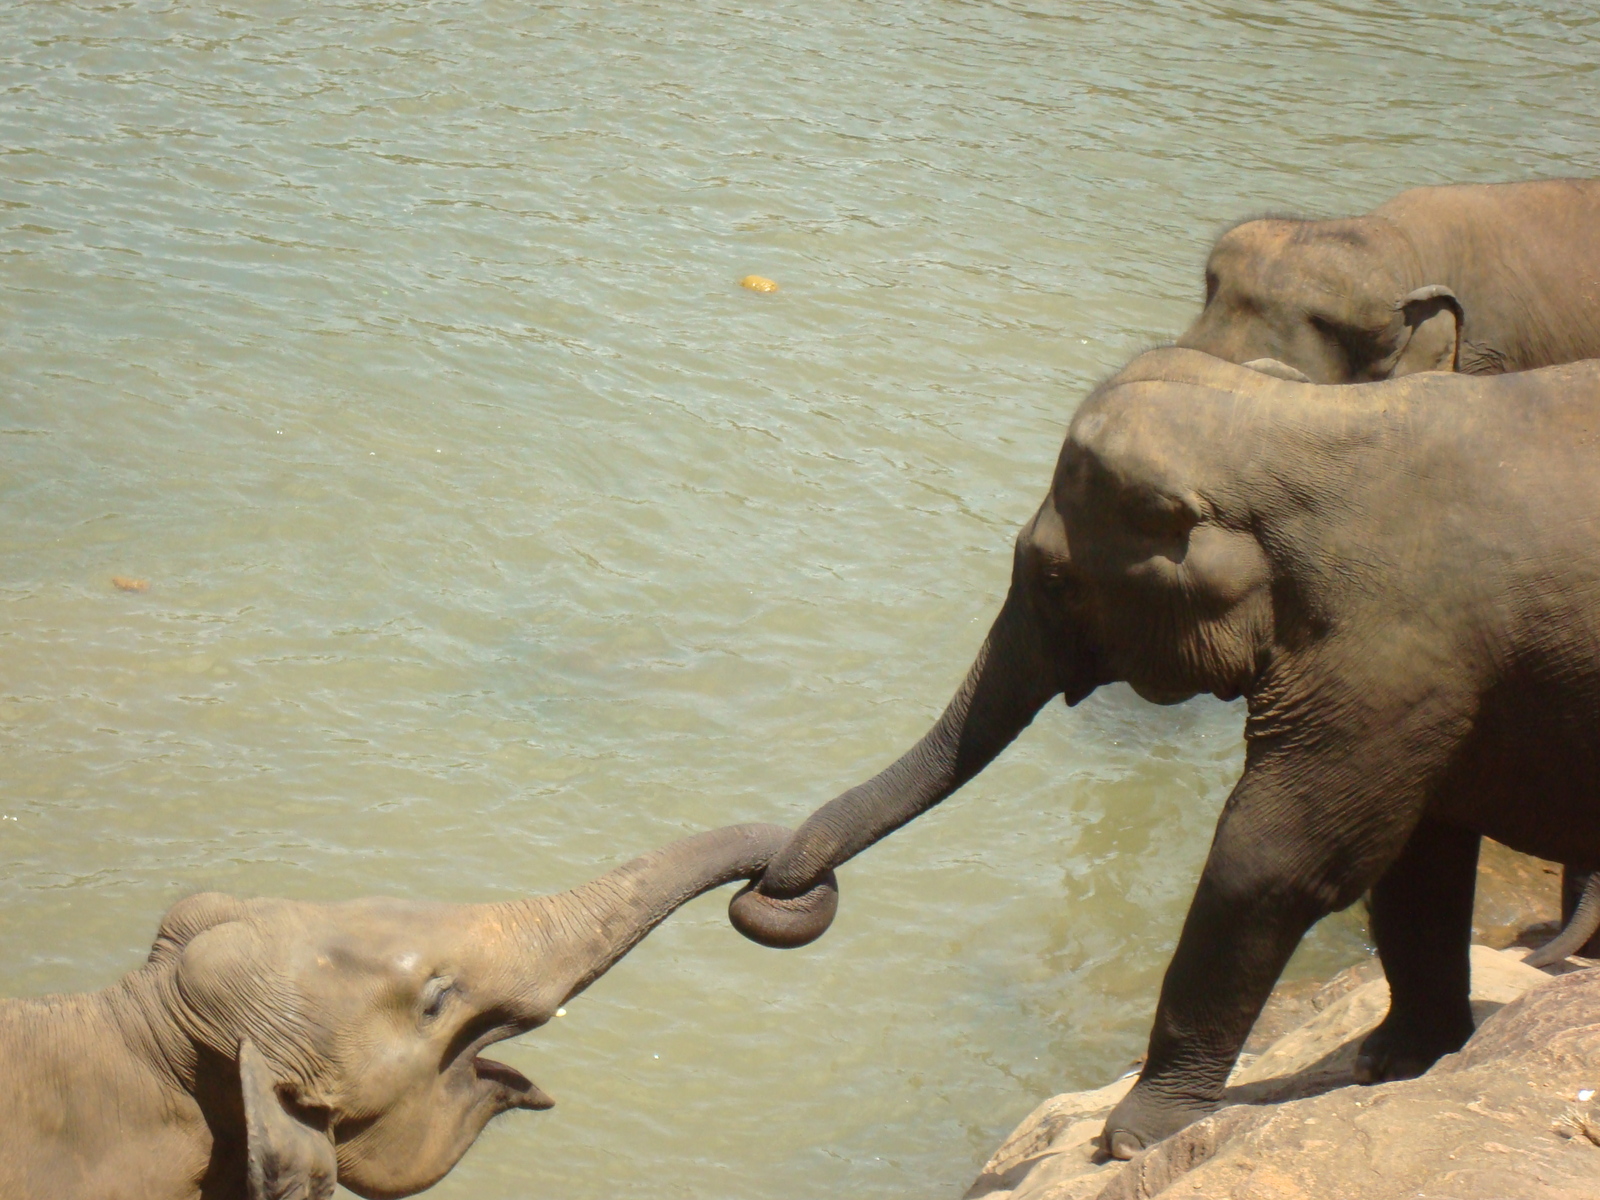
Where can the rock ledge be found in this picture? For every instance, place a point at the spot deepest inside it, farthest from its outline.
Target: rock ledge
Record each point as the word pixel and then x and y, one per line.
pixel 1515 1115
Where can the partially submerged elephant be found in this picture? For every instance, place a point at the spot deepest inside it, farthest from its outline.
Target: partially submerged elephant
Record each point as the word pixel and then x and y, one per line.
pixel 1480 278
pixel 271 1047
pixel 1402 579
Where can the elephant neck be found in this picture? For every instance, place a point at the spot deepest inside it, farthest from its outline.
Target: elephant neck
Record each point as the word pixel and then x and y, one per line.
pixel 142 1011
pixel 84 1083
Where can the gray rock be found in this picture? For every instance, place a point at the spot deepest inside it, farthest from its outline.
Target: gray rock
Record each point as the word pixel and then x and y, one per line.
pixel 1503 1118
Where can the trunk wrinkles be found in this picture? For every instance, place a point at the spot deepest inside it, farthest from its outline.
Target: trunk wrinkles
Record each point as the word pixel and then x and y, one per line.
pixel 575 937
pixel 1011 679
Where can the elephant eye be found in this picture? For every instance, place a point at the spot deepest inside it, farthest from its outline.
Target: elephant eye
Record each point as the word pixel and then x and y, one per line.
pixel 1339 338
pixel 1056 579
pixel 434 993
pixel 1327 328
pixel 1166 518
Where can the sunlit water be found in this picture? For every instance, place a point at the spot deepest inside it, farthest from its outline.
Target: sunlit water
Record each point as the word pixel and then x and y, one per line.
pixel 495 535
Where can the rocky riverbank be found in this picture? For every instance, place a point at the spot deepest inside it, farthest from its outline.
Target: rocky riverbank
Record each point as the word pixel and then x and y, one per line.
pixel 1514 1114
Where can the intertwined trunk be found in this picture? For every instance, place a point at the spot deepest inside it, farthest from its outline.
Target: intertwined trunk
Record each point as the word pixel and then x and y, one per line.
pixel 573 938
pixel 1013 677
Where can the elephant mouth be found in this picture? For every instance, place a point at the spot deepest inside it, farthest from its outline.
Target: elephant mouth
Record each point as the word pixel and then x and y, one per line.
pixel 1155 694
pixel 517 1089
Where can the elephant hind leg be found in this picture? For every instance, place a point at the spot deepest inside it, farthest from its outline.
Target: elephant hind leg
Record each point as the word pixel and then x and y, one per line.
pixel 1422 923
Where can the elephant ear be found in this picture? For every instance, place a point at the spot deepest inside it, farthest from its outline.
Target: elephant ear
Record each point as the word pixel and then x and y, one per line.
pixel 1432 337
pixel 286 1158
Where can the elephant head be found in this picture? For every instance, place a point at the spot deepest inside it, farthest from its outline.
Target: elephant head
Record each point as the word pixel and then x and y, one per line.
pixel 1141 565
pixel 345 1041
pixel 1325 302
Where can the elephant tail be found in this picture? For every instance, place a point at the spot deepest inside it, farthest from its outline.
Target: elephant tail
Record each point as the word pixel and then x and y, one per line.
pixel 1585 920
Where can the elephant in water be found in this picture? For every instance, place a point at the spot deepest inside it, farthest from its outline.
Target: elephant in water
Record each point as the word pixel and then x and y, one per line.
pixel 269 1048
pixel 1480 278
pixel 1401 578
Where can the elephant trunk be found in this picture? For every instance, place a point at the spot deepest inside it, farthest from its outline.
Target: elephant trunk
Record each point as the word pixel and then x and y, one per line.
pixel 577 936
pixel 1585 920
pixel 1012 678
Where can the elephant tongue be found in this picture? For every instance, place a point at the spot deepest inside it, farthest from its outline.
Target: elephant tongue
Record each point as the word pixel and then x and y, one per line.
pixel 528 1093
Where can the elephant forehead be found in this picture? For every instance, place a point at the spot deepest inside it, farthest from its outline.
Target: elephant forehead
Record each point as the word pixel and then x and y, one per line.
pixel 395 932
pixel 1130 434
pixel 1276 237
pixel 1173 367
pixel 377 914
pixel 1252 242
pixel 378 938
pixel 1333 263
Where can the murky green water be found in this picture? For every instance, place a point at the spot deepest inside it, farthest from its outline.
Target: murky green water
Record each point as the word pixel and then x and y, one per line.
pixel 495 535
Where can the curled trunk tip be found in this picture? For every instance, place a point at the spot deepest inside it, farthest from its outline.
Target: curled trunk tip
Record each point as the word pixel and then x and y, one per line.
pixel 1011 679
pixel 785 922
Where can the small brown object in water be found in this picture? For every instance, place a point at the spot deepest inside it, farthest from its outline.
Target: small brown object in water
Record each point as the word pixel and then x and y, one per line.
pixel 128 584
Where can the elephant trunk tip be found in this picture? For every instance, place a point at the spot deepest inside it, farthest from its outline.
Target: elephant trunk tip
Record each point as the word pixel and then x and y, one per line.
pixel 784 923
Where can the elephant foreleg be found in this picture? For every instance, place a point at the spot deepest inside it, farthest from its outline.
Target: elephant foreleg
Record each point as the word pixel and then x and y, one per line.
pixel 1270 876
pixel 1422 923
pixel 1302 835
pixel 1235 942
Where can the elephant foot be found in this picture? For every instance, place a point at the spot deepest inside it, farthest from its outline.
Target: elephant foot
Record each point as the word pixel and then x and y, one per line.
pixel 1143 1118
pixel 1401 1050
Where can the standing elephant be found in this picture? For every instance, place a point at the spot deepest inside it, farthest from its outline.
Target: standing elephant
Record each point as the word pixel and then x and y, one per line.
pixel 1480 278
pixel 1401 578
pixel 270 1048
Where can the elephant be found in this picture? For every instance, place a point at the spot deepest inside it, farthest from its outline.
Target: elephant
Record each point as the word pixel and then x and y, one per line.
pixel 1480 278
pixel 1401 578
pixel 269 1048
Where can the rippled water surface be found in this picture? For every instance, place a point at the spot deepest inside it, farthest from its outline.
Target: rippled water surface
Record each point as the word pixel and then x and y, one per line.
pixel 495 535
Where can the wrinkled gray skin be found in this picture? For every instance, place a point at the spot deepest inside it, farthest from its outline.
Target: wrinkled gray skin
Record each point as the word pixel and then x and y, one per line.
pixel 1581 926
pixel 1580 908
pixel 1403 581
pixel 270 1047
pixel 1480 278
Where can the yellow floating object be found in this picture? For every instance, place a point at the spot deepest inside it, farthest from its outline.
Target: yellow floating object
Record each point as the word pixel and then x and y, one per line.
pixel 758 283
pixel 128 584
